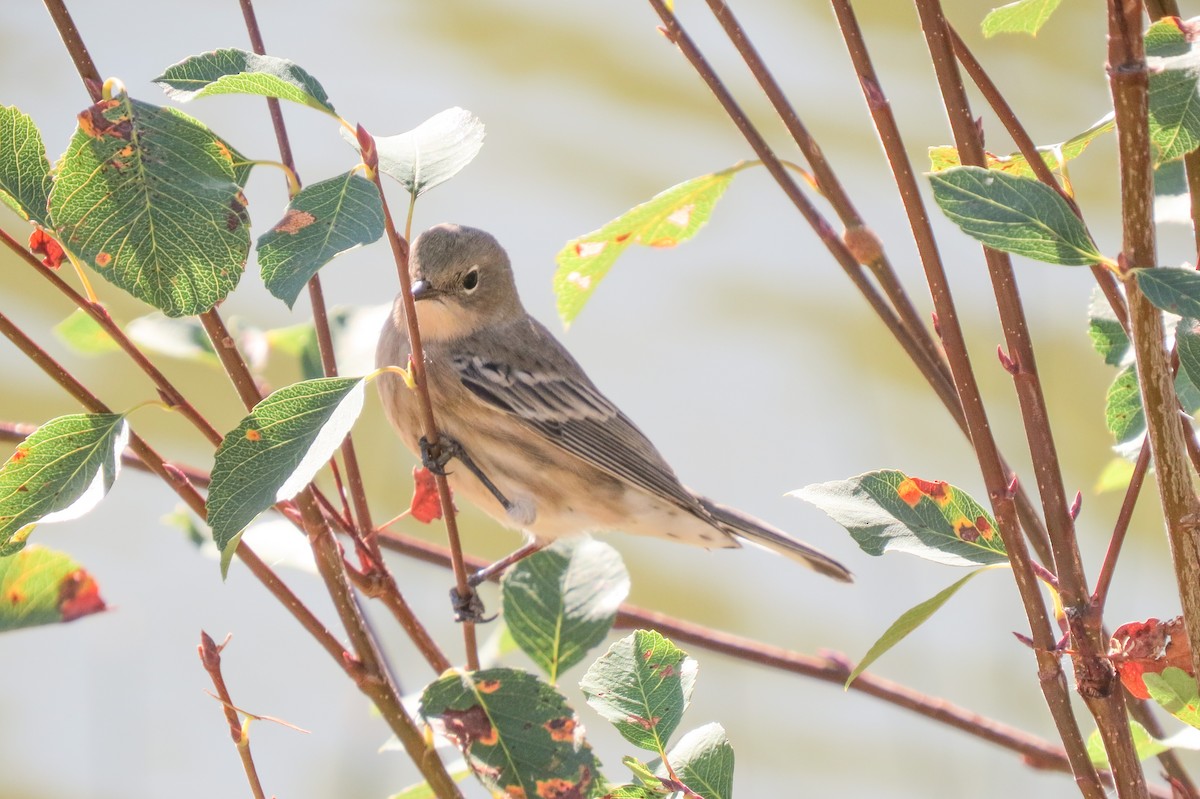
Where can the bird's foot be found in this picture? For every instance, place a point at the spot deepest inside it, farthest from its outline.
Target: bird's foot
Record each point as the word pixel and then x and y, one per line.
pixel 469 607
pixel 434 457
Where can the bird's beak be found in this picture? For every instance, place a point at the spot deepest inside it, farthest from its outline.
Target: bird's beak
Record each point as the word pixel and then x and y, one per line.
pixel 422 290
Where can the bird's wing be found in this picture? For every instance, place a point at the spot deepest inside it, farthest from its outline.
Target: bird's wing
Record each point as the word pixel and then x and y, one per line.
pixel 553 397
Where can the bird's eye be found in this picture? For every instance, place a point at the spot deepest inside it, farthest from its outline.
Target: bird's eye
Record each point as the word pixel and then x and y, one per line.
pixel 471 279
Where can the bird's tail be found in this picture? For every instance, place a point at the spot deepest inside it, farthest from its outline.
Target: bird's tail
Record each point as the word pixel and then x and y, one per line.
pixel 758 532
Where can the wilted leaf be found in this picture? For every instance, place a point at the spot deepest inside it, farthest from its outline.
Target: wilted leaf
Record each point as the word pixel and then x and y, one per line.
pixel 43 244
pixel 233 71
pixel 888 510
pixel 1024 16
pixel 151 199
pixel 1014 214
pixel 41 586
pixel 431 153
pixel 1140 648
pixel 426 504
pixel 24 168
pixel 665 220
pixel 60 472
pixel 323 221
pixel 910 620
pixel 642 685
pixel 277 449
pixel 517 733
pixel 1054 155
pixel 562 601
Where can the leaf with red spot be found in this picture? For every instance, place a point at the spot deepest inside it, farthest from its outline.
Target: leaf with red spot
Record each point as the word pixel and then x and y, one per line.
pixel 41 586
pixel 517 733
pixel 152 200
pixel 1149 647
pixel 322 222
pixel 642 685
pixel 60 472
pixel 43 244
pixel 665 220
pixel 888 510
pixel 1176 691
pixel 426 505
pixel 276 450
pixel 24 168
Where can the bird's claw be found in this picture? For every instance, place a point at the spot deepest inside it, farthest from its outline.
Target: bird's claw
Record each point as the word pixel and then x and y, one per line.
pixel 434 457
pixel 469 608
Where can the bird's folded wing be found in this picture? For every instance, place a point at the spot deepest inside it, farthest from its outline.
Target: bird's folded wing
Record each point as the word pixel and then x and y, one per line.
pixel 572 414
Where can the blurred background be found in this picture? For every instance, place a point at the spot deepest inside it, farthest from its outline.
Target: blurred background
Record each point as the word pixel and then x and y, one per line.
pixel 745 355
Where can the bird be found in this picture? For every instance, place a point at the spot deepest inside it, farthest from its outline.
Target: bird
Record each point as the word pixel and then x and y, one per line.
pixel 545 451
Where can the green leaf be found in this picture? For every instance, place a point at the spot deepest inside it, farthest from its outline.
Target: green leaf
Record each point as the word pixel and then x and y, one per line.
pixel 888 510
pixel 60 472
pixel 323 221
pixel 1175 690
pixel 910 620
pixel 665 220
pixel 1172 290
pixel 277 449
pixel 1174 99
pixel 41 586
pixel 642 685
pixel 1024 16
pixel 1106 333
pixel 152 200
pixel 1055 155
pixel 431 153
pixel 24 168
pixel 1187 344
pixel 233 71
pixel 703 759
pixel 1014 214
pixel 1115 476
pixel 562 601
pixel 1145 744
pixel 1172 198
pixel 1123 412
pixel 176 338
pixel 422 790
pixel 83 334
pixel 517 733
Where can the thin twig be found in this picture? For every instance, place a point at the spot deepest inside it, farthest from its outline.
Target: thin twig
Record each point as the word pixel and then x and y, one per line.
pixel 210 657
pixel 429 428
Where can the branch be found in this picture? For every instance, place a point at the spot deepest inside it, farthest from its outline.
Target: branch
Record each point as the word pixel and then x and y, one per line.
pixel 210 657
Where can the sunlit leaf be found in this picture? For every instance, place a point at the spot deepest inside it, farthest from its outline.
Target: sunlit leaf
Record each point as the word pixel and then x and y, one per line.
pixel 1175 691
pixel 888 510
pixel 1145 744
pixel 1024 16
pixel 665 220
pixel 1014 214
pixel 517 733
pixel 82 333
pixel 1174 97
pixel 431 153
pixel 152 200
pixel 562 601
pixel 642 685
pixel 277 449
pixel 703 759
pixel 1055 155
pixel 59 472
pixel 323 221
pixel 1172 198
pixel 24 168
pixel 41 586
pixel 910 620
pixel 233 71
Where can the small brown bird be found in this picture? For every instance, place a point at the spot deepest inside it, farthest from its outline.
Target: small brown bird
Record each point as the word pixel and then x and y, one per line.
pixel 562 460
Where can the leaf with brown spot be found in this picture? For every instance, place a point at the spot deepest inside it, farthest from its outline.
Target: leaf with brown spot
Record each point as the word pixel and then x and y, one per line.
pixel 1149 647
pixel 41 586
pixel 642 685
pixel 517 733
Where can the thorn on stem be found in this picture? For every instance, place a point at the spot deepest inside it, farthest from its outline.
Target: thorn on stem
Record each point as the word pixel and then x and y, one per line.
pixel 1076 505
pixel 1010 366
pixel 366 147
pixel 937 325
pixel 1010 490
pixel 873 93
pixel 979 129
pixel 1025 639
